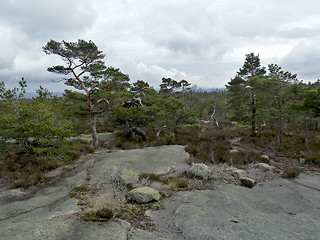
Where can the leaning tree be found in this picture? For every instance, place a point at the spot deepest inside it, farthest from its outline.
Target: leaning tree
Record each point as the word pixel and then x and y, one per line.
pixel 85 70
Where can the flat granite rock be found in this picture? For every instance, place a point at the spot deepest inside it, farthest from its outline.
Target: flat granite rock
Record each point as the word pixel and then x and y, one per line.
pixel 47 212
pixel 278 209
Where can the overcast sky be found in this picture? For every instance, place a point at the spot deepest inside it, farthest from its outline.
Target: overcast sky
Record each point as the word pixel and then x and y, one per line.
pixel 201 41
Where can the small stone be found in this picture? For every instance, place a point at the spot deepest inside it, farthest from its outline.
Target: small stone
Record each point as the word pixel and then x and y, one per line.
pixel 144 195
pixel 128 177
pixel 200 170
pixel 302 160
pixel 263 166
pixel 239 173
pixel 234 151
pixel 247 182
pixel 275 164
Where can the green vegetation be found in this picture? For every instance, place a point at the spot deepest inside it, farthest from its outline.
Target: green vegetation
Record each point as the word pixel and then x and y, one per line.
pixel 211 146
pixel 281 110
pixel 266 108
pixel 152 177
pixel 100 215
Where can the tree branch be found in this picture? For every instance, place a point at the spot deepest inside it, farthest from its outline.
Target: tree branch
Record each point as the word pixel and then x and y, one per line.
pixel 100 101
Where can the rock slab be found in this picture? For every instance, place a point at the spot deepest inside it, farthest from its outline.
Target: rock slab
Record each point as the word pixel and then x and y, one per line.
pixel 278 209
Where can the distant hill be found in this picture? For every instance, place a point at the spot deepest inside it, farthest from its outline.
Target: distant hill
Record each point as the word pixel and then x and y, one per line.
pixel 34 94
pixel 30 95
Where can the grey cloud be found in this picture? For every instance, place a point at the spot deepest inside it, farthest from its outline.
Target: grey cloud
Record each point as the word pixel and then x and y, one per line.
pixel 248 19
pixel 303 60
pixel 188 29
pixel 26 26
pixel 204 41
pixel 44 19
pixel 300 32
pixel 7 58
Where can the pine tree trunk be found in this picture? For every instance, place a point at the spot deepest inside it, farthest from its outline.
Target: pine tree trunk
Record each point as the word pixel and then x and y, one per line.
pixel 127 131
pixel 306 134
pixel 253 119
pixel 141 133
pixel 93 126
pixel 279 122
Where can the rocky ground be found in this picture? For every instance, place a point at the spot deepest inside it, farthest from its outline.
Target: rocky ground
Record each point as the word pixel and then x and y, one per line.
pixel 218 208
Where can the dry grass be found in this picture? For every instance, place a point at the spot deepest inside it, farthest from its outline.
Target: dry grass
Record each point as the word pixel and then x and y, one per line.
pixel 101 203
pixel 103 200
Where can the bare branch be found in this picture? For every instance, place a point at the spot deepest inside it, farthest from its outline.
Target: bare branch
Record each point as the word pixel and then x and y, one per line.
pixel 133 102
pixel 107 103
pixel 102 100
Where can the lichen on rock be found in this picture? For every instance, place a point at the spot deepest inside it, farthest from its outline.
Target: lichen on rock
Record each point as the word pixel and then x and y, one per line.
pixel 200 170
pixel 128 177
pixel 144 195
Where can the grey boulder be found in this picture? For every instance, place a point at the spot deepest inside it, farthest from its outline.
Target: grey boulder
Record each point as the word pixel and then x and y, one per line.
pixel 200 170
pixel 144 195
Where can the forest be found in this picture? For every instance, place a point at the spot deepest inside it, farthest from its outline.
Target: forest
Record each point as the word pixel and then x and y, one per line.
pixel 263 110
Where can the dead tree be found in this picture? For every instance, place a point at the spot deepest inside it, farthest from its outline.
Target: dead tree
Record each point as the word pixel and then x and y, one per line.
pixel 213 116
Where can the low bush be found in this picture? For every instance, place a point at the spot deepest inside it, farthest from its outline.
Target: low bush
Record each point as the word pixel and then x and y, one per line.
pixel 24 170
pixel 100 215
pixel 182 184
pixel 291 172
pixel 168 139
pixel 211 145
pixel 150 177
pixel 239 158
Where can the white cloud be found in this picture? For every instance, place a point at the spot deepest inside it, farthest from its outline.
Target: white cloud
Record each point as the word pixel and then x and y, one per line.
pixel 151 73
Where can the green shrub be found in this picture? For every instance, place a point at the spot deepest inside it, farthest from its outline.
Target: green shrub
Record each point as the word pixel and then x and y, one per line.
pixel 150 176
pixel 291 172
pixel 168 139
pixel 246 157
pixel 105 213
pixel 182 183
pixel 100 215
pixel 313 158
pixel 212 145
